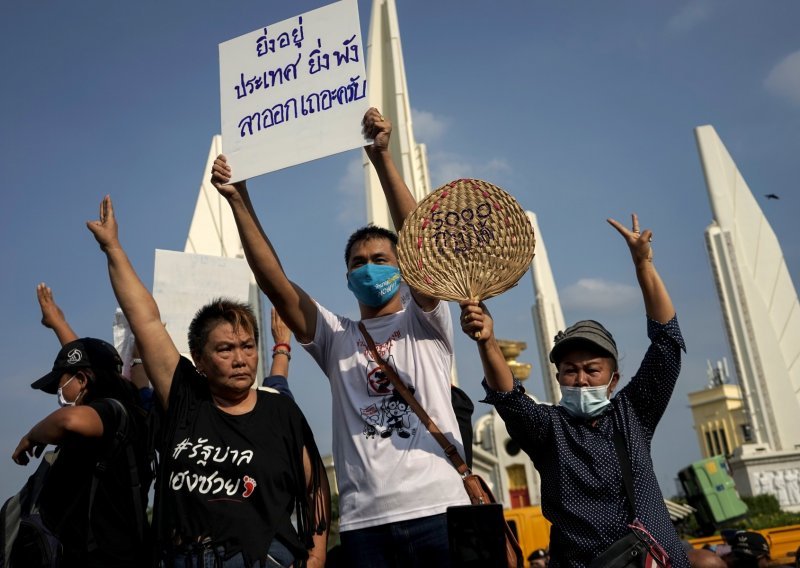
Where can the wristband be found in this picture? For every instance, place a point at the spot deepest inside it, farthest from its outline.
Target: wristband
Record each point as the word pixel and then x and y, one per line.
pixel 282 352
pixel 135 361
pixel 279 345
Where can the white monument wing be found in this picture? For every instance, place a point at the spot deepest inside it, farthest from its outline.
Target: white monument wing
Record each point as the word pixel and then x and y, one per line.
pixel 183 283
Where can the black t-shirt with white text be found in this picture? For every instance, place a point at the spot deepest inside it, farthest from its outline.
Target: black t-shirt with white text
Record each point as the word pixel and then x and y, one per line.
pixel 234 479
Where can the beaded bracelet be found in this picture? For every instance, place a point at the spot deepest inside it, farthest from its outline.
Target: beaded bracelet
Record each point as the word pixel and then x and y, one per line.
pixel 282 352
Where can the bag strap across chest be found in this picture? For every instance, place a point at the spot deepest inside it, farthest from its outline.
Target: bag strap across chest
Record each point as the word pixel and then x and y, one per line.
pixel 449 449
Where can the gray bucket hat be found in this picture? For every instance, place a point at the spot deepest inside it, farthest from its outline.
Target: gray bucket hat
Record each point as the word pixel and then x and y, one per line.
pixel 584 331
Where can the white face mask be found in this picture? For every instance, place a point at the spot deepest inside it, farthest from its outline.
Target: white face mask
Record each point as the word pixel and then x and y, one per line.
pixel 62 402
pixel 585 402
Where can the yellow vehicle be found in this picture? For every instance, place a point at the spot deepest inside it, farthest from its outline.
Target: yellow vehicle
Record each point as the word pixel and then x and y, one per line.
pixel 530 527
pixel 533 531
pixel 783 542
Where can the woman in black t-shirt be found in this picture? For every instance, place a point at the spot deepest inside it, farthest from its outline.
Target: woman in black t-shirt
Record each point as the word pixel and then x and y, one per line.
pixel 236 462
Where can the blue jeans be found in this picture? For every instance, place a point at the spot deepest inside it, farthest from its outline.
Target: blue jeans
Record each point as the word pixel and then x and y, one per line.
pixel 415 543
pixel 214 557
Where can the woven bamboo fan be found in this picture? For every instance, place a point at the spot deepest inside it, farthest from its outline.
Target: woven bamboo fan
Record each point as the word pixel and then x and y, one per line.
pixel 467 240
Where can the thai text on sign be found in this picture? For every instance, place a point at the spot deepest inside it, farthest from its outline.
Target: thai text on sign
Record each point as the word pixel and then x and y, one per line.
pixel 293 91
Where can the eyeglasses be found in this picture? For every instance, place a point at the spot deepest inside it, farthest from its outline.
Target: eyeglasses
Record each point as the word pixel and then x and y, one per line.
pixel 656 552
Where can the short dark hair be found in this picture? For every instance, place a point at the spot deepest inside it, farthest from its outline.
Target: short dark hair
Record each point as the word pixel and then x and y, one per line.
pixel 367 233
pixel 102 382
pixel 238 314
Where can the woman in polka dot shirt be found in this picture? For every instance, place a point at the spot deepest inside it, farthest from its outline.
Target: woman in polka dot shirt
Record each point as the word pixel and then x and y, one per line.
pixel 572 444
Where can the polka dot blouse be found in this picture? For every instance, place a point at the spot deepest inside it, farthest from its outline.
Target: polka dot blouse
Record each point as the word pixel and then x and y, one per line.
pixel 582 489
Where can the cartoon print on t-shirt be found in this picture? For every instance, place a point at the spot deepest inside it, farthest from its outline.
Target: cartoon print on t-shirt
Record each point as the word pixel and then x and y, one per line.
pixel 372 417
pixel 391 412
pixel 378 383
pixel 397 411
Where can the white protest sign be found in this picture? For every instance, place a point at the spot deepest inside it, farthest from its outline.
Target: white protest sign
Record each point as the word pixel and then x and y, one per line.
pixel 183 283
pixel 294 91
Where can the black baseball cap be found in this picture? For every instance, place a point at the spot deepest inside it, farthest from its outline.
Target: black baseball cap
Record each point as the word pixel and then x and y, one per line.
pixel 538 553
pixel 584 331
pixel 84 353
pixel 748 544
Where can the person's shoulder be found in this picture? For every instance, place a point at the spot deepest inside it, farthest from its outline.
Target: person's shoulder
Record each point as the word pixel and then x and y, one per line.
pixel 328 313
pixel 275 401
pixel 187 378
pixel 279 409
pixel 117 416
pixel 185 367
pixel 108 408
pixel 438 307
pixel 334 322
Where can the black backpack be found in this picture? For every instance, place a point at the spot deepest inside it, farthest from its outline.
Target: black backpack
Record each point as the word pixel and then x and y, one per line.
pixel 25 542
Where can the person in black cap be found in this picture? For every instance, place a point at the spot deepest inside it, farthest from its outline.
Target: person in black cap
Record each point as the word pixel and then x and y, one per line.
pixel 748 550
pixel 572 443
pixel 85 375
pixel 538 558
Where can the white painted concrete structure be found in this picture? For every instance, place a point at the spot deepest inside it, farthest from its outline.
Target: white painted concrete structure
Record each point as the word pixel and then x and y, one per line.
pixel 758 299
pixel 548 318
pixel 213 230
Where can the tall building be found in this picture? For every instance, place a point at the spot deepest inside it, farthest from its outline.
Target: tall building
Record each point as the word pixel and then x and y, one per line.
pixel 548 318
pixel 719 418
pixel 758 299
pixel 388 92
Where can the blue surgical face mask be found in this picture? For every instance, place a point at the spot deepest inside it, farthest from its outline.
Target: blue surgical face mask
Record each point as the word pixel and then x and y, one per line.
pixel 585 402
pixel 374 284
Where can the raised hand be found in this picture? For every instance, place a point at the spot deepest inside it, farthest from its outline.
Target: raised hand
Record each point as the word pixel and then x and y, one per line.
pixel 52 316
pixel 105 229
pixel 280 332
pixel 639 242
pixel 476 321
pixel 221 174
pixel 378 128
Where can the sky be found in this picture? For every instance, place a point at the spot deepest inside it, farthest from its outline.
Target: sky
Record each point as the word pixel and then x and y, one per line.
pixel 581 110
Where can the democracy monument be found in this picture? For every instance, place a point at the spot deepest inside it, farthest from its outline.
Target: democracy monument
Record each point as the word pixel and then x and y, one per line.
pixel 754 421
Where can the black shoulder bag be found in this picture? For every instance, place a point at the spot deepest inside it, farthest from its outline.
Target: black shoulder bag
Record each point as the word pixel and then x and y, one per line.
pixel 638 548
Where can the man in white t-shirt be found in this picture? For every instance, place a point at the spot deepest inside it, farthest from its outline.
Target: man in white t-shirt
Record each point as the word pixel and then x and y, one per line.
pixel 395 482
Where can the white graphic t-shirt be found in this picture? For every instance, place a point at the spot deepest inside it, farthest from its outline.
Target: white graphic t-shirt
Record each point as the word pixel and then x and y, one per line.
pixel 388 466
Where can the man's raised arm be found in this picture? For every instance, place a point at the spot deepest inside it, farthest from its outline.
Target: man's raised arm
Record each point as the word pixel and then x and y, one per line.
pixel 657 303
pixel 296 307
pixel 399 198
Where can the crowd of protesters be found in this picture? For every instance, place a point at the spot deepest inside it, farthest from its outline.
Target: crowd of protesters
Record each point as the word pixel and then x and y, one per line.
pixel 240 480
